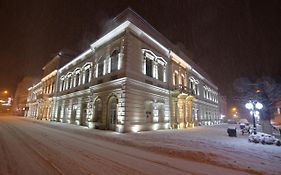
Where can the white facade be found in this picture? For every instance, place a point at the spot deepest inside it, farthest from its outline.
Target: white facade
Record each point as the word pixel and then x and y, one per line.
pixel 128 82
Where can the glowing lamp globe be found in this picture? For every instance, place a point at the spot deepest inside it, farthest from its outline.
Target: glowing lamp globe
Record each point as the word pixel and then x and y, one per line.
pixel 259 105
pixel 249 105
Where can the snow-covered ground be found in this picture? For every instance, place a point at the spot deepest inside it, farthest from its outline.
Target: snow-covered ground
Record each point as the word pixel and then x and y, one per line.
pixel 29 146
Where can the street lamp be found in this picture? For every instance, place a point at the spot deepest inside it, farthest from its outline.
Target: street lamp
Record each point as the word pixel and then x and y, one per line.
pixel 253 105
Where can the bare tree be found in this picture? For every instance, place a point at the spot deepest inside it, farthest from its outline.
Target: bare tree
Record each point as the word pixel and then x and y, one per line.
pixel 265 90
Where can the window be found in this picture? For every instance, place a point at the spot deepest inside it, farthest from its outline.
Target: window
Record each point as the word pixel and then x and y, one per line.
pixel 191 85
pixel 98 110
pixel 77 79
pixel 87 75
pixel 182 80
pixel 148 67
pixel 160 72
pixel 114 60
pixel 62 85
pixel 53 87
pixel 50 89
pixel 176 79
pixel 196 89
pixel 69 83
pixel 154 66
pixel 100 68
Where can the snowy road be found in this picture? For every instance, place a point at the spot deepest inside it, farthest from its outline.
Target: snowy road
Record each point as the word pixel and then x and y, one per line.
pixel 30 147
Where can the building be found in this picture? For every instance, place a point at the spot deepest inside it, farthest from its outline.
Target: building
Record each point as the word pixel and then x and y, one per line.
pixel 41 96
pixel 276 120
pixel 131 79
pixel 21 94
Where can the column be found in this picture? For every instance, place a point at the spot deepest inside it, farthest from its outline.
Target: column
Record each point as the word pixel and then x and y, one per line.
pixel 189 109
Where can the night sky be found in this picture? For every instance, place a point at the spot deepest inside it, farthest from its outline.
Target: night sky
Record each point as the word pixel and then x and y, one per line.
pixel 228 39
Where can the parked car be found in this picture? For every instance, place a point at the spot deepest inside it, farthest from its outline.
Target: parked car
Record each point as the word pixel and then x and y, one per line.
pixel 268 139
pixel 231 131
pixel 245 121
pixel 264 138
pixel 245 128
pixel 256 138
pixel 231 121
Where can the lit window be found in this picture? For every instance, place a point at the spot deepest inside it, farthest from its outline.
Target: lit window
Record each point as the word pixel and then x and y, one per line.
pixel 176 82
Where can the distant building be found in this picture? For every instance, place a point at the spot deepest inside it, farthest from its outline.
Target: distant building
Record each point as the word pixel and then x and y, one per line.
pixel 276 120
pixel 21 94
pixel 131 79
pixel 41 95
pixel 223 107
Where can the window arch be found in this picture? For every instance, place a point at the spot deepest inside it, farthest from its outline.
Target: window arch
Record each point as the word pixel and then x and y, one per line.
pixel 76 79
pixel 87 72
pixel 69 81
pixel 62 83
pixel 112 117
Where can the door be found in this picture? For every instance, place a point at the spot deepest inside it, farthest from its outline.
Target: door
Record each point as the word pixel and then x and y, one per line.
pixel 112 113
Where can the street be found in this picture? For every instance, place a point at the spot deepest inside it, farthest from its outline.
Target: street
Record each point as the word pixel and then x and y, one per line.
pixel 36 147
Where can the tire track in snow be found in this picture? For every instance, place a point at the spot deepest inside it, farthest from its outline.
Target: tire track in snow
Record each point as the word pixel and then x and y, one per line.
pixel 119 167
pixel 76 137
pixel 23 139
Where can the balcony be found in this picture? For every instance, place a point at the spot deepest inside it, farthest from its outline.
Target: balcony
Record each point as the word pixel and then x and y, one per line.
pixel 182 90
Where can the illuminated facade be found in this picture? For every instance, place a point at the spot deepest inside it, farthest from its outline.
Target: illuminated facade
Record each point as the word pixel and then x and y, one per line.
pixel 129 81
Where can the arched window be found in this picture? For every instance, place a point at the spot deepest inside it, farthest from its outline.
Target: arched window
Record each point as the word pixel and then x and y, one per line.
pixel 77 79
pixel 87 75
pixel 112 112
pixel 191 84
pixel 69 82
pixel 98 110
pixel 114 60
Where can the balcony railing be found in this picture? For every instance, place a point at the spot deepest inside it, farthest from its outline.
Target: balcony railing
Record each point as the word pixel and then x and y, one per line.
pixel 179 89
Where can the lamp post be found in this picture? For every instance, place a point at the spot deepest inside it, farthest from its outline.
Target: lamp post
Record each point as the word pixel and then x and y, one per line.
pixel 253 105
